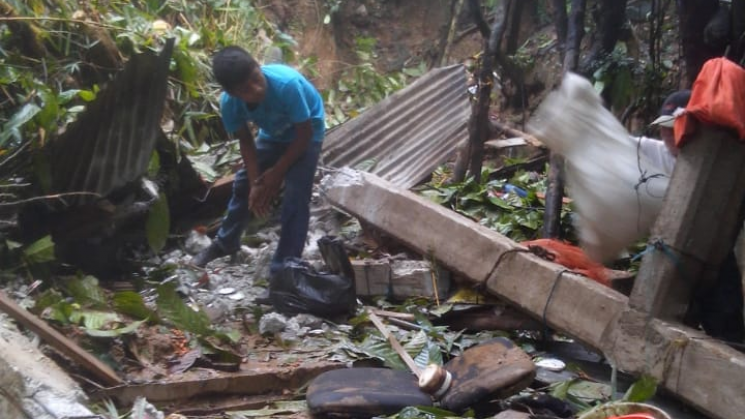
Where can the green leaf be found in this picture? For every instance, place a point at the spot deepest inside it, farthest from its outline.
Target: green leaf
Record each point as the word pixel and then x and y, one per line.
pixel 430 354
pixel 111 333
pixel 173 308
pixel 154 166
pixel 48 298
pixel 642 390
pixel 561 390
pixel 86 292
pixel 87 95
pixel 232 336
pixel 94 319
pixel 205 170
pixel 40 251
pixel 48 115
pixel 12 127
pixel 157 224
pixel 132 304
pixel 12 245
pixel 67 95
pixel 589 392
pixel 377 347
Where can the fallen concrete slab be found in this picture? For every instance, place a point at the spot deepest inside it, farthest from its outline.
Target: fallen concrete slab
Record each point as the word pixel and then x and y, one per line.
pixel 32 385
pixel 699 370
pixel 473 251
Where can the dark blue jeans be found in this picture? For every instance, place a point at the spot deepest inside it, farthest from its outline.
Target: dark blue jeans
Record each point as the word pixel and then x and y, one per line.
pixel 295 213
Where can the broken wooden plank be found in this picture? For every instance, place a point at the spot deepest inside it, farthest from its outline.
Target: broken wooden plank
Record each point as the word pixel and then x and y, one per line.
pixel 498 128
pixel 509 142
pixel 572 304
pixel 59 341
pixel 250 381
pixel 694 236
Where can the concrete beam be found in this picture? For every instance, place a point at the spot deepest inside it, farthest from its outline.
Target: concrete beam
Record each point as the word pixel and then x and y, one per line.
pixel 707 374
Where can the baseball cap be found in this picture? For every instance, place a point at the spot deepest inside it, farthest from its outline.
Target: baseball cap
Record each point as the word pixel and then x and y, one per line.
pixel 671 108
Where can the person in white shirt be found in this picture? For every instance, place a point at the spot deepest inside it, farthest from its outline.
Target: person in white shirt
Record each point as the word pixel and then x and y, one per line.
pixel 663 152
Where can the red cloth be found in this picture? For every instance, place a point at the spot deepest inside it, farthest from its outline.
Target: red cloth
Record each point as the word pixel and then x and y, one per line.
pixel 717 98
pixel 572 257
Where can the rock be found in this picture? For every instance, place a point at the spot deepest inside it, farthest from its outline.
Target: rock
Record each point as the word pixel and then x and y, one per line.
pixel 149 411
pixel 309 321
pixel 34 383
pixel 196 242
pixel 272 323
pixel 512 414
pixel 496 369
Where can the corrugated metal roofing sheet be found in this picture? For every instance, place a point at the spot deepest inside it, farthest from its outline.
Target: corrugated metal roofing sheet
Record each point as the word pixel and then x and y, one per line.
pixel 111 143
pixel 409 133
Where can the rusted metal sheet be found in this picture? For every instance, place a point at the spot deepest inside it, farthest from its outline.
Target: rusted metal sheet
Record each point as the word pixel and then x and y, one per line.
pixel 111 142
pixel 409 133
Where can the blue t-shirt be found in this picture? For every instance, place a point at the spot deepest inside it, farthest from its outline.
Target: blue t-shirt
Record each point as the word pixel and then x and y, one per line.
pixel 290 98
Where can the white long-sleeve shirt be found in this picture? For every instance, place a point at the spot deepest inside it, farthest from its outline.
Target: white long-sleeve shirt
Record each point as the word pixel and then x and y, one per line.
pixel 656 151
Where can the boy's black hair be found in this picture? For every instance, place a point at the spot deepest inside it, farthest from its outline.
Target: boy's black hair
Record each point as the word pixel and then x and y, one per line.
pixel 232 65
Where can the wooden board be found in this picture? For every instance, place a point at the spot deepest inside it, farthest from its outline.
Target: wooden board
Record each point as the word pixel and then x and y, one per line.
pixel 59 341
pixel 249 381
pixel 708 375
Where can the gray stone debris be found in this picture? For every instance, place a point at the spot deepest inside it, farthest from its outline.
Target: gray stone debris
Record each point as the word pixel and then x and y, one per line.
pixel 32 385
pixel 272 323
pixel 196 242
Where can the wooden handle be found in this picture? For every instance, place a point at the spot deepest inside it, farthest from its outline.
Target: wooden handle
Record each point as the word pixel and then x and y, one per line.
pixel 395 344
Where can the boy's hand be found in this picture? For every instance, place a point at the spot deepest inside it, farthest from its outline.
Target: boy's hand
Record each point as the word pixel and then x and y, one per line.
pixel 263 192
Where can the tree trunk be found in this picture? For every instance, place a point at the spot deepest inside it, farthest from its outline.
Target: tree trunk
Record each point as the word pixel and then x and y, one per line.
pixel 560 22
pixel 478 18
pixel 478 125
pixel 513 32
pixel 555 190
pixel 738 31
pixel 610 16
pixel 575 32
pixel 694 15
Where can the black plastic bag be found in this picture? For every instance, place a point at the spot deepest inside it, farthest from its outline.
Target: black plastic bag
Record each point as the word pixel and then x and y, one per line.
pixel 298 288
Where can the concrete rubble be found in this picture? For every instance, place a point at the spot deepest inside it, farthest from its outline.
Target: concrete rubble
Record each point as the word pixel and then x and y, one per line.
pixel 31 384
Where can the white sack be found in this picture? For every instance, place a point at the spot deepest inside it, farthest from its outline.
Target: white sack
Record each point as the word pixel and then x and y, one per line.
pixel 602 169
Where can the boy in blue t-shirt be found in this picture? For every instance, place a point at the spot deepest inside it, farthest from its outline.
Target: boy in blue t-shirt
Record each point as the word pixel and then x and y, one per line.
pixel 289 113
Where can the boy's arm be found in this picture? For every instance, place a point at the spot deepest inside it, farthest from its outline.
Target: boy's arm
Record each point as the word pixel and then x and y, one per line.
pixel 269 182
pixel 248 153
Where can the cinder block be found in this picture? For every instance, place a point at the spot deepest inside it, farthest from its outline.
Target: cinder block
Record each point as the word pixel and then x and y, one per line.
pixel 400 279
